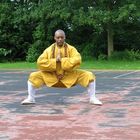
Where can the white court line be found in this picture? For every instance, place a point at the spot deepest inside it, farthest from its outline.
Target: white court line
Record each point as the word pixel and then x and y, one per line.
pixel 125 74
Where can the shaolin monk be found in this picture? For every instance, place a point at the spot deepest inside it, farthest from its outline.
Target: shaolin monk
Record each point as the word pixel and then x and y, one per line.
pixel 58 68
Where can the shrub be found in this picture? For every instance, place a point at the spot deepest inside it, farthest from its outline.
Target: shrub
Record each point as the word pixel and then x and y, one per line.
pixel 126 55
pixel 102 57
pixel 34 51
pixel 133 55
pixel 4 53
pixel 88 51
pixel 119 55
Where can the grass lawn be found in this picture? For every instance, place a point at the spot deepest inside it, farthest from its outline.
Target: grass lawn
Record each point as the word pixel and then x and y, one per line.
pixel 97 65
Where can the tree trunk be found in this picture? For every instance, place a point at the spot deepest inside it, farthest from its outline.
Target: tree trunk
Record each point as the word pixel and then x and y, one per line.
pixel 110 40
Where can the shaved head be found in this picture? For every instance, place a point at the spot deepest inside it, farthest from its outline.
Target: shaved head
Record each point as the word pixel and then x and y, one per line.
pixel 59 37
pixel 59 31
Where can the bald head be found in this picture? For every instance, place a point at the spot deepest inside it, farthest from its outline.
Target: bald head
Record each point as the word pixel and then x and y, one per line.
pixel 59 37
pixel 59 32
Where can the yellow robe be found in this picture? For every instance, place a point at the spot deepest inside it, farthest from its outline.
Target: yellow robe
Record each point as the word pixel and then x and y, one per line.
pixel 49 69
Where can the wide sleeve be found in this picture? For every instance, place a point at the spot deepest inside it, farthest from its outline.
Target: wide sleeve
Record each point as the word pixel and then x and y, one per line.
pixel 46 64
pixel 72 62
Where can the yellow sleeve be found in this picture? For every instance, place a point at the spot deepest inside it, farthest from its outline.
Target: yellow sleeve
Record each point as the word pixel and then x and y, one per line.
pixel 74 61
pixel 46 64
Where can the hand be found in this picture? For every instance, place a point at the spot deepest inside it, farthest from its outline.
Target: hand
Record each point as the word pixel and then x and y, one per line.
pixel 58 58
pixel 60 76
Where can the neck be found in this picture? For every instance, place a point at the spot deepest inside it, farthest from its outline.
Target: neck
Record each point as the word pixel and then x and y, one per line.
pixel 59 46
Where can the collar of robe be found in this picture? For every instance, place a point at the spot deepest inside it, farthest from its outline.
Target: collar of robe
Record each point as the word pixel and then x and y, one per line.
pixel 53 50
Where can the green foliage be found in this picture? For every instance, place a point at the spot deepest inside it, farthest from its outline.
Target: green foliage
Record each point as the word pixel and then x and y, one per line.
pixel 126 55
pixel 33 51
pixel 133 55
pixel 27 26
pixel 3 54
pixel 120 55
pixel 87 51
pixel 102 57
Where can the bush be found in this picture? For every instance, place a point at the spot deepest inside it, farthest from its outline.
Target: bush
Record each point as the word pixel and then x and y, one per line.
pixel 34 51
pixel 102 57
pixel 119 55
pixel 4 53
pixel 88 51
pixel 125 55
pixel 133 55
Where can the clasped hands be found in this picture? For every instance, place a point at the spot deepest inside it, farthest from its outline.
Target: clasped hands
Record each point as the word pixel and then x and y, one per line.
pixel 60 76
pixel 58 57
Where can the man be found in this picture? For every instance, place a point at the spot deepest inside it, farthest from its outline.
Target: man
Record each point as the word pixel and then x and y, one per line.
pixel 57 68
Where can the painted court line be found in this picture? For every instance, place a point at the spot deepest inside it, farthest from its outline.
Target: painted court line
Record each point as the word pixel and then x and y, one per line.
pixel 125 74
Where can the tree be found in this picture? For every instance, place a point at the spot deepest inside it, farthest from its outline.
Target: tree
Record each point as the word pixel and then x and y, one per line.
pixel 95 27
pixel 106 15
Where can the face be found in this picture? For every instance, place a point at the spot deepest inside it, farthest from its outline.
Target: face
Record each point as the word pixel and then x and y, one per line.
pixel 59 38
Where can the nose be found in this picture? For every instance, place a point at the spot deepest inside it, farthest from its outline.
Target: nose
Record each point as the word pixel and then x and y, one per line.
pixel 60 39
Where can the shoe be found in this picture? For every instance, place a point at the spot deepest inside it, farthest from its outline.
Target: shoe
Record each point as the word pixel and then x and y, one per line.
pixel 28 101
pixel 95 101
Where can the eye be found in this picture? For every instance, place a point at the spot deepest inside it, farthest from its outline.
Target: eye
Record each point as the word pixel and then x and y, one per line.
pixel 60 37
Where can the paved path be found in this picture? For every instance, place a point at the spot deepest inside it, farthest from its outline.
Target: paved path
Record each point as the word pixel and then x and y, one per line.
pixel 65 114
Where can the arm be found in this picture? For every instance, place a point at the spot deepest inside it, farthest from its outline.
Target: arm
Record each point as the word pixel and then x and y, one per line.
pixel 74 61
pixel 46 64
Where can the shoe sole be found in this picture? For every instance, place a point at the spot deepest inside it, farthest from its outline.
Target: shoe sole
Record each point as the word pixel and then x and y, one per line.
pixel 27 103
pixel 95 104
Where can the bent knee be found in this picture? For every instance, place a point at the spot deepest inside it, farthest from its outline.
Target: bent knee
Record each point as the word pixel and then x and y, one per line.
pixel 89 74
pixel 33 74
pixel 36 79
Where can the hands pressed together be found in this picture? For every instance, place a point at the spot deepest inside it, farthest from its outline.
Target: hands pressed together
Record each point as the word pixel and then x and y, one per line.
pixel 58 59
